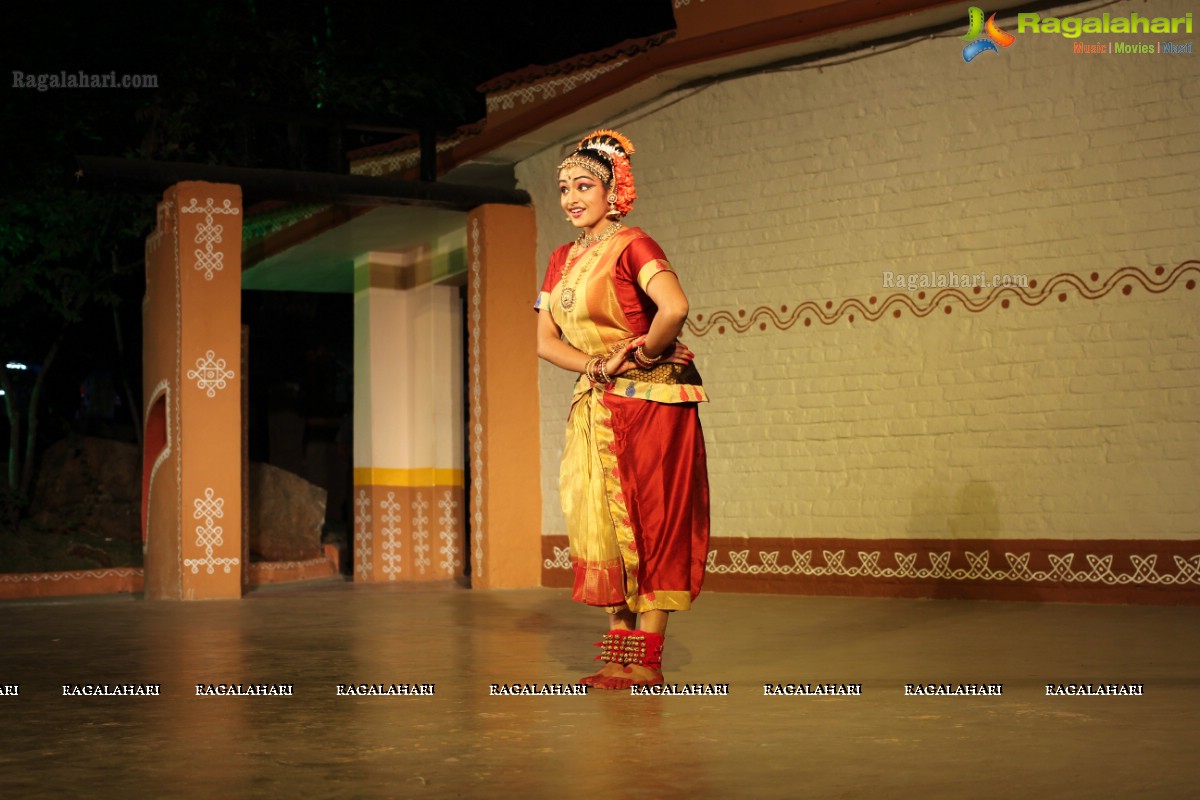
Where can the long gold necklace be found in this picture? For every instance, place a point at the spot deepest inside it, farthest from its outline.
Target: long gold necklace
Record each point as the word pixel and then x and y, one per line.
pixel 567 300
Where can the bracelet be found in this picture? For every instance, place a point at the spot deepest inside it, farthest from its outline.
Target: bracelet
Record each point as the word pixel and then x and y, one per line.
pixel 596 370
pixel 590 369
pixel 644 361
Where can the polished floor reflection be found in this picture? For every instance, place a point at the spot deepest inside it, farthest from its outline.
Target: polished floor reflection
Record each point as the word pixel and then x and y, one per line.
pixel 464 742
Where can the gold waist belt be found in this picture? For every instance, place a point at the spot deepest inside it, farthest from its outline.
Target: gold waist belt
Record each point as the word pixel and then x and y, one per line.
pixel 666 373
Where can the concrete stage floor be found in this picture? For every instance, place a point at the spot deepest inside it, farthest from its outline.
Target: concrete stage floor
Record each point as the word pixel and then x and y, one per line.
pixel 463 742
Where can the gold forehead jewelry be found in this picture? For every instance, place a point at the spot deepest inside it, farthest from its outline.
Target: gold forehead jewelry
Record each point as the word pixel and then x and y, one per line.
pixel 596 167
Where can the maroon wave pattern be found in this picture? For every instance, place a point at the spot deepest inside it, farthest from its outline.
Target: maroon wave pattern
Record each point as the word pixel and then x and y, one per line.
pixel 923 302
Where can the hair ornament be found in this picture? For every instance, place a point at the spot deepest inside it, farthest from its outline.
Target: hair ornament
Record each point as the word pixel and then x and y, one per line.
pixel 609 142
pixel 594 165
pixel 615 148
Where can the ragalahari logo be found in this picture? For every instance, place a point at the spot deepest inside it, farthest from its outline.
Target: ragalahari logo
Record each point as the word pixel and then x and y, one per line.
pixel 988 43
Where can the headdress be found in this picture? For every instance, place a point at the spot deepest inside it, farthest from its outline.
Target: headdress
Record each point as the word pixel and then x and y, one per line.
pixel 605 154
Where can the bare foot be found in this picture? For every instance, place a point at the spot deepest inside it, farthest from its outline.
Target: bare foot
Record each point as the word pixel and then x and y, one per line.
pixel 590 680
pixel 623 676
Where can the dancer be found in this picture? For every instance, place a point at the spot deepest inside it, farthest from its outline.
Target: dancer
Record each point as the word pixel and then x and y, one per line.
pixel 633 484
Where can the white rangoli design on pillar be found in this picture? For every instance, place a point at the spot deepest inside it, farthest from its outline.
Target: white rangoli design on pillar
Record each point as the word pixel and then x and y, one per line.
pixel 362 535
pixel 449 533
pixel 390 548
pixel 420 533
pixel 210 374
pixel 476 403
pixel 209 535
pixel 208 233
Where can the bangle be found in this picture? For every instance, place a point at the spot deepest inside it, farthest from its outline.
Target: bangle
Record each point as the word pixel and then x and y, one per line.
pixel 644 361
pixel 603 368
pixel 596 370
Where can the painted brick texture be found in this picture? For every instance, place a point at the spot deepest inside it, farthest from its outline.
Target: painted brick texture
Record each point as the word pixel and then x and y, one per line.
pixel 778 197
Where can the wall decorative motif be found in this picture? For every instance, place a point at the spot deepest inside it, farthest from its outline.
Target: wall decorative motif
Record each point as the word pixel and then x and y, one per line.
pixel 544 90
pixel 1093 570
pixel 924 302
pixel 449 534
pixel 288 566
pixel 401 162
pixel 210 374
pixel 209 535
pixel 1061 569
pixel 209 233
pixel 561 560
pixel 362 536
pixel 420 533
pixel 73 575
pixel 390 548
pixel 476 398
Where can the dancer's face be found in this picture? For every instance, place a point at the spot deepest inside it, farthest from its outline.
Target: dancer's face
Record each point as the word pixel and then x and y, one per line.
pixel 583 197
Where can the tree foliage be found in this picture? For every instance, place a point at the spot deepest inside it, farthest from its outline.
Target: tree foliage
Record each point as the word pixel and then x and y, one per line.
pixel 255 83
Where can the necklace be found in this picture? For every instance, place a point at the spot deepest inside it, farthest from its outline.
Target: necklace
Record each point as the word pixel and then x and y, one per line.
pixel 586 240
pixel 567 301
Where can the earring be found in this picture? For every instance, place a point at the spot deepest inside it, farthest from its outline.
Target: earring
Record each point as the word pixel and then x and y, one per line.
pixel 612 206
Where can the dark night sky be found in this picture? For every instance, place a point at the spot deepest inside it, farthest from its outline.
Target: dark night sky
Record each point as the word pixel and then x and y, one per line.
pixel 373 61
pixel 228 73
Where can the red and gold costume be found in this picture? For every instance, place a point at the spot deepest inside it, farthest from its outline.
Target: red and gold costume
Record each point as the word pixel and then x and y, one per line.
pixel 634 482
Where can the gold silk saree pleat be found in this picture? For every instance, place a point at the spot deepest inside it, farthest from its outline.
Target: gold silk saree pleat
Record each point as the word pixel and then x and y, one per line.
pixel 615 544
pixel 603 552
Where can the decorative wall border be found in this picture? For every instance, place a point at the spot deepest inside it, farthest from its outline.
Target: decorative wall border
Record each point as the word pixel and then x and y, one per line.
pixel 449 533
pixel 261 573
pixel 380 165
pixel 161 389
pixel 264 225
pixel 130 580
pixel 71 575
pixel 924 302
pixel 71 583
pixel 288 566
pixel 363 536
pixel 550 87
pixel 1165 571
pixel 476 399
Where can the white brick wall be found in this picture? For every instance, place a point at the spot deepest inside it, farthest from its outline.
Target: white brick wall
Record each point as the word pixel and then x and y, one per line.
pixel 1075 419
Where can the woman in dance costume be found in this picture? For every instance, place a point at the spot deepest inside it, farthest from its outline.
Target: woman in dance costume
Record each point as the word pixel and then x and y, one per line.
pixel 634 484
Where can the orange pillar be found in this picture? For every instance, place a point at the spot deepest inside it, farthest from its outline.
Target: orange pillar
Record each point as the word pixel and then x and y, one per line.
pixel 192 482
pixel 502 397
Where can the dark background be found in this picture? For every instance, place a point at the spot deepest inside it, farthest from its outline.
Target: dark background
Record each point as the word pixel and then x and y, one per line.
pixel 288 85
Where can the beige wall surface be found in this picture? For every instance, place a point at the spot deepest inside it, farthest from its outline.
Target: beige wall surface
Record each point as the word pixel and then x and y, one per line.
pixel 798 206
